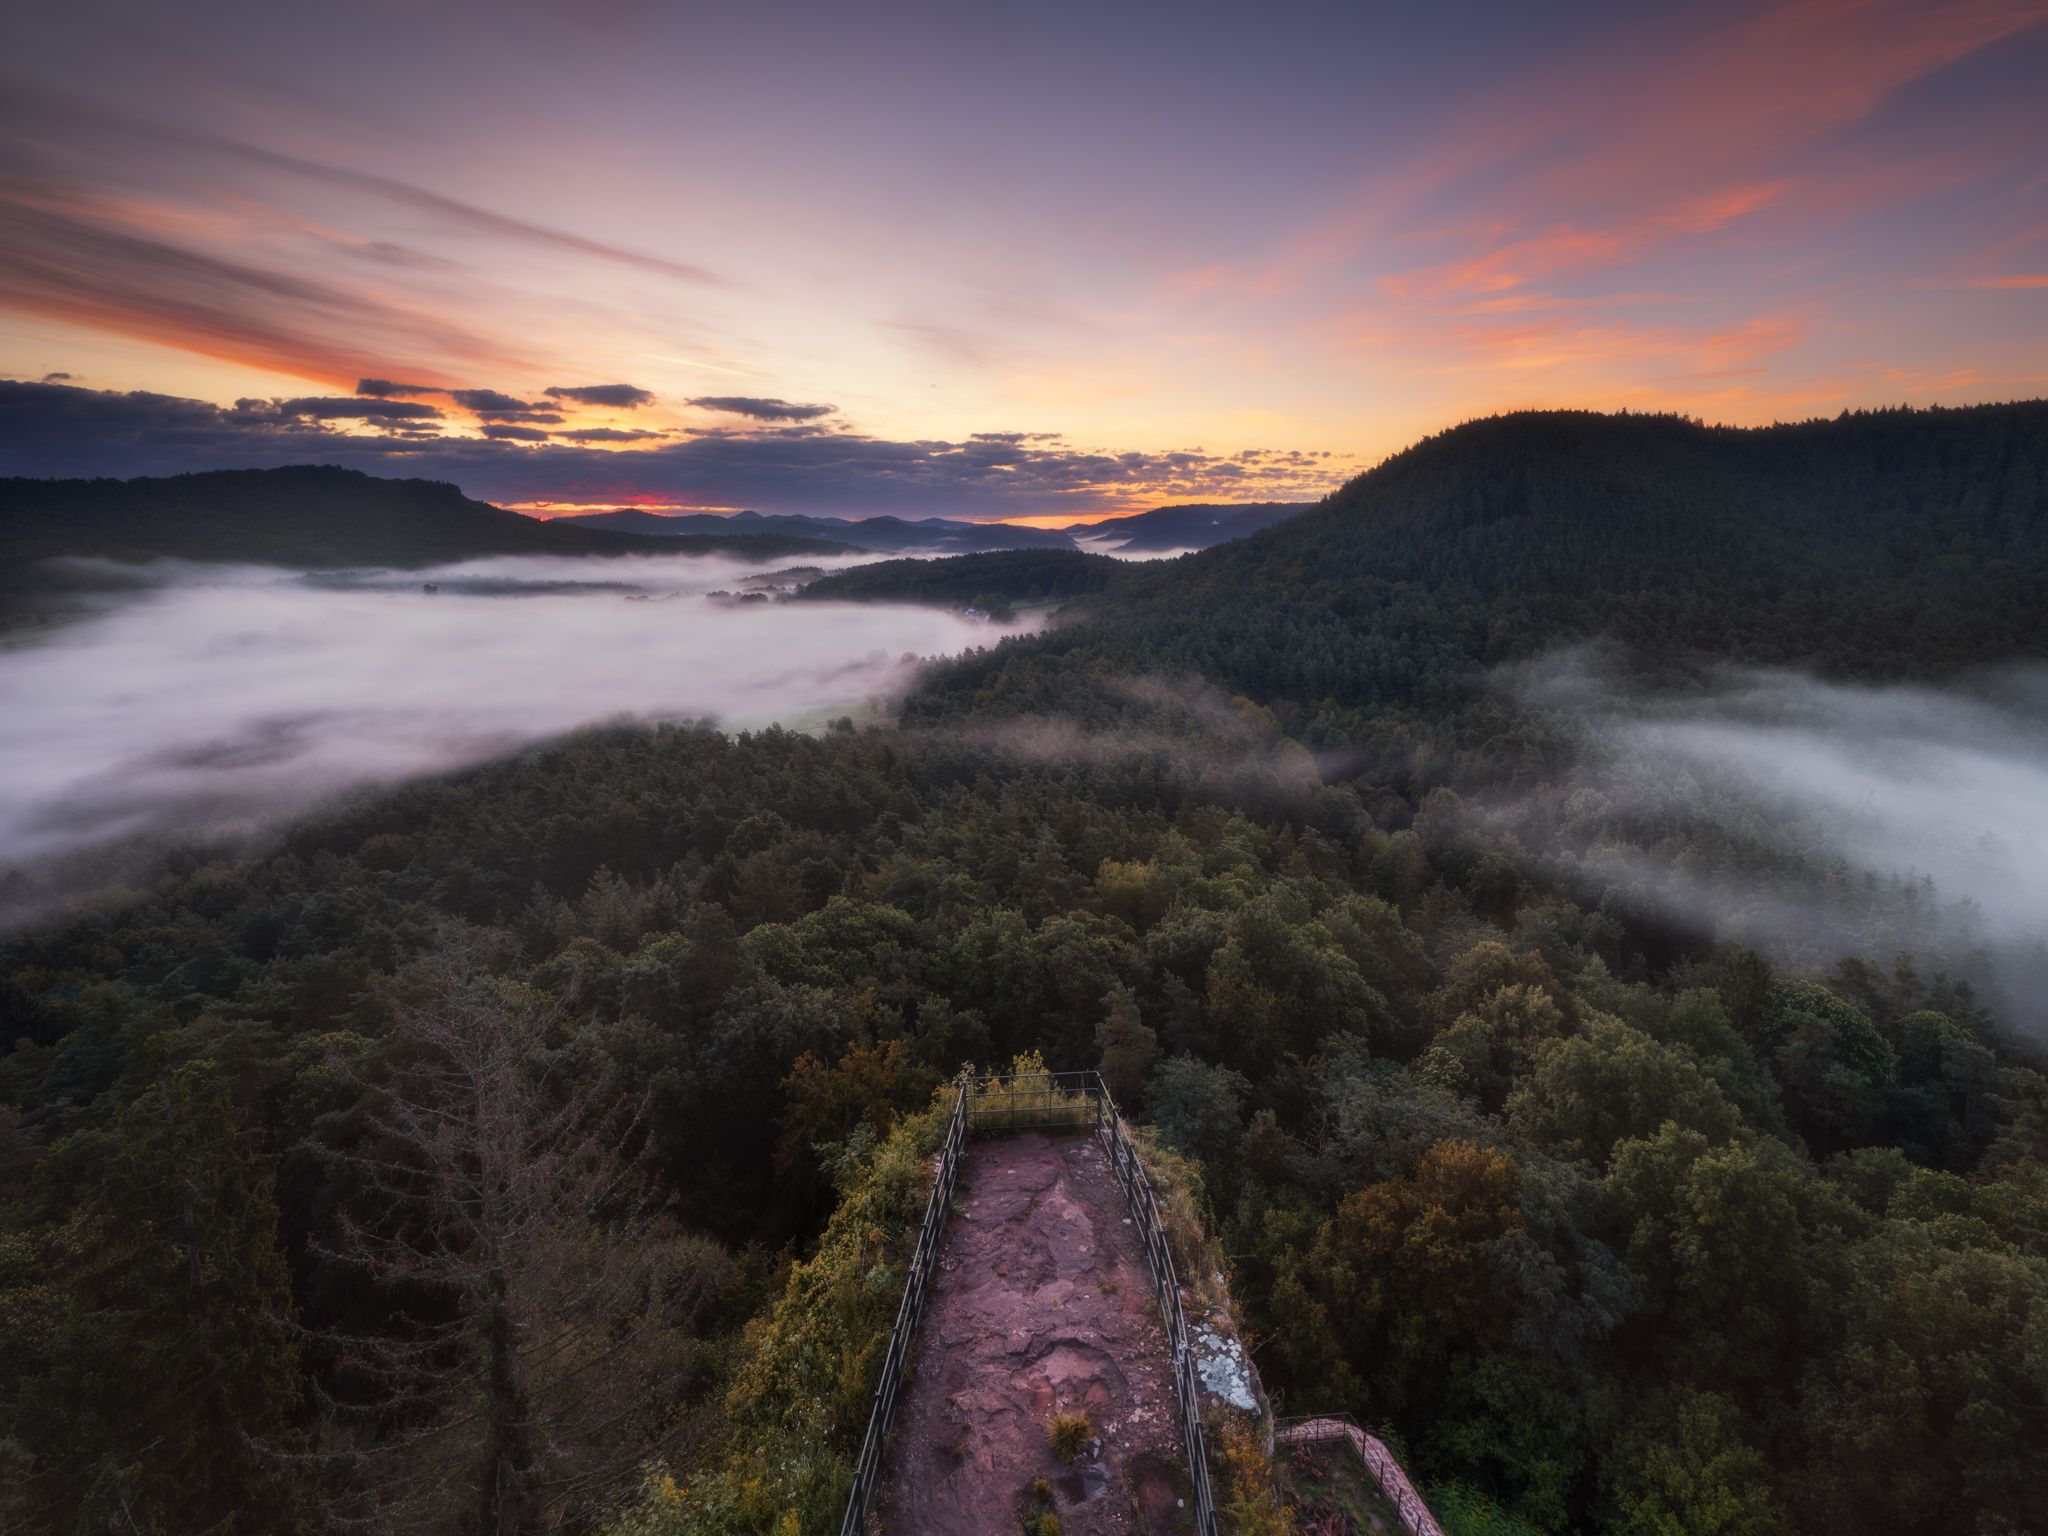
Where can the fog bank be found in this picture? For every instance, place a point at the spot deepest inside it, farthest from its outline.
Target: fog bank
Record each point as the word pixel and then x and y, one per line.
pixel 198 702
pixel 1820 819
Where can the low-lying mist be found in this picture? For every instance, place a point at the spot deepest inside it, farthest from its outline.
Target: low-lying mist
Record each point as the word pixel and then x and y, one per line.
pixel 203 702
pixel 1814 819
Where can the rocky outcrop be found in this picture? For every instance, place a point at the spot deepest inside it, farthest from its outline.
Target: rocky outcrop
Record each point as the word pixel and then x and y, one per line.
pixel 1042 1305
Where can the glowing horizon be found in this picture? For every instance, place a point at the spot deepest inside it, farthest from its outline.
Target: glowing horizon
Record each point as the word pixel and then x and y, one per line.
pixel 546 511
pixel 937 264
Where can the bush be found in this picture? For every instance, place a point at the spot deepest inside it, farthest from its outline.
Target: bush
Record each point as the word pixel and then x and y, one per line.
pixel 1036 1510
pixel 1252 1505
pixel 1069 1434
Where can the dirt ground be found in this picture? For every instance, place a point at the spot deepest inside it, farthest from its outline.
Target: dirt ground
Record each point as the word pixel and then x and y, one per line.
pixel 1042 1305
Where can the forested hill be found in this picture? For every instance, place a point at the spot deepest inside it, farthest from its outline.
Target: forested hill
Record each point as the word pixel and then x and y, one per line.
pixel 1198 525
pixel 1880 544
pixel 307 515
pixel 890 535
pixel 1013 575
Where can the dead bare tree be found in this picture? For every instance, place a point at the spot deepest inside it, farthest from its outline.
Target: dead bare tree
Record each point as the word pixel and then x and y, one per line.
pixel 541 1316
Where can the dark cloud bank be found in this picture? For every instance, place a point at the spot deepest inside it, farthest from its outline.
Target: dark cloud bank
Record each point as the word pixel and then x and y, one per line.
pixel 56 430
pixel 762 409
pixel 619 396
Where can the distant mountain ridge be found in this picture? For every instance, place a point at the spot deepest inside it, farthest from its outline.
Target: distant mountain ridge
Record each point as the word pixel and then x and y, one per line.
pixel 1162 530
pixel 310 516
pixel 890 535
pixel 1195 525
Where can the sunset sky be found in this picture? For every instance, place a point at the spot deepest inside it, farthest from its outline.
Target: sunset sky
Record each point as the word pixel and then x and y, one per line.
pixel 989 261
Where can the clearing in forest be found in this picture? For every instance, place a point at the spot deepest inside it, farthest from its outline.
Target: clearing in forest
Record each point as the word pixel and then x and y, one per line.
pixel 1042 1305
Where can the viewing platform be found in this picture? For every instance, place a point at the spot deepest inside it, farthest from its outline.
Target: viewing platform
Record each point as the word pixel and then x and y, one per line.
pixel 1043 1295
pixel 1042 1304
pixel 1044 1262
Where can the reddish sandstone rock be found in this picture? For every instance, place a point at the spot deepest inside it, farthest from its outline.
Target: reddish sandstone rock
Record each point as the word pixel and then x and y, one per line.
pixel 1042 1305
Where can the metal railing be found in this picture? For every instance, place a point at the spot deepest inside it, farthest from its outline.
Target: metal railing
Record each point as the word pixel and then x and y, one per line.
pixel 867 1471
pixel 1031 1101
pixel 1384 1466
pixel 1035 1101
pixel 1144 1209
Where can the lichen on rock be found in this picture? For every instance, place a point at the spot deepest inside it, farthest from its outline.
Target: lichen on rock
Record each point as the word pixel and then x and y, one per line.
pixel 1224 1366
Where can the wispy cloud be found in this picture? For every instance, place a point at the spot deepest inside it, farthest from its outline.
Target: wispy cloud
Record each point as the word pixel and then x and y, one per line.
pixel 47 108
pixel 1565 249
pixel 457 211
pixel 68 256
pixel 953 344
pixel 1679 125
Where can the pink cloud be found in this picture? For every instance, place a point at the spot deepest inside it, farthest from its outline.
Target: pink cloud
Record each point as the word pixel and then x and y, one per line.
pixel 1675 130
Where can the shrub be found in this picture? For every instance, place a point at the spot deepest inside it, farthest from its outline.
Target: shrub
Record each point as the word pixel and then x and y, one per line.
pixel 1252 1505
pixel 1036 1510
pixel 1069 1434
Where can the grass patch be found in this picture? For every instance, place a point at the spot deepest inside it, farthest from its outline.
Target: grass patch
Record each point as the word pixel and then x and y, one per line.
pixel 1035 1510
pixel 1068 1434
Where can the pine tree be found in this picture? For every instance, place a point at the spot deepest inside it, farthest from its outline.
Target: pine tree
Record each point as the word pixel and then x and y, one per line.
pixel 158 1374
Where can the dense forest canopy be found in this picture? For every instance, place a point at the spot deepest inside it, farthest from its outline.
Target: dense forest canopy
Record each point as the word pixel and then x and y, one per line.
pixel 1610 1224
pixel 1194 525
pixel 1015 576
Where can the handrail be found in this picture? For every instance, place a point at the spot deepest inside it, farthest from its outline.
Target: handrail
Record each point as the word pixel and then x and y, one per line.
pixel 1051 1101
pixel 1144 1209
pixel 1384 1466
pixel 867 1470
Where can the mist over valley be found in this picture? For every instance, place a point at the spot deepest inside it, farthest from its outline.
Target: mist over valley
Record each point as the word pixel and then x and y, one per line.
pixel 200 702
